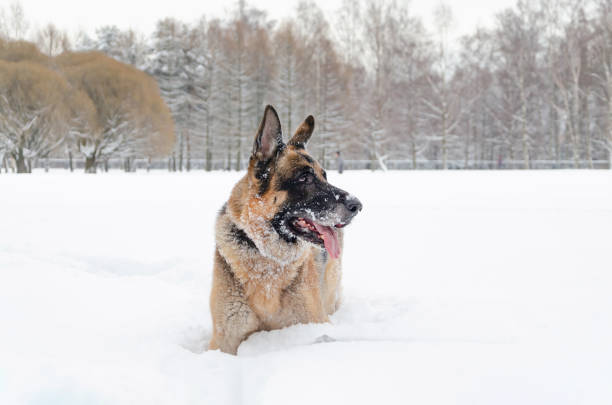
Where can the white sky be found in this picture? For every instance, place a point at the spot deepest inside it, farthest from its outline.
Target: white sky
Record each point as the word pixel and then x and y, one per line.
pixel 75 15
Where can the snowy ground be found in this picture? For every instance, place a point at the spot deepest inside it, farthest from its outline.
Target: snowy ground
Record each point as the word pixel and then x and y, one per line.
pixel 459 288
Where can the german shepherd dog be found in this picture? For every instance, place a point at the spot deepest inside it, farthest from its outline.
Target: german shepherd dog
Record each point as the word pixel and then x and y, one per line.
pixel 278 240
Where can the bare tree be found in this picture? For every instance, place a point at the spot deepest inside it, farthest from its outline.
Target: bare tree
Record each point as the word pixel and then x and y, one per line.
pixel 411 67
pixel 518 51
pixel 603 72
pixel 4 25
pixel 473 72
pixel 349 31
pixel 446 101
pixel 379 25
pixel 18 25
pixel 52 41
pixel 568 70
pixel 287 56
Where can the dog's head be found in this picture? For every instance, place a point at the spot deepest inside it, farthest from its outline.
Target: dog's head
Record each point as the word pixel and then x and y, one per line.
pixel 289 200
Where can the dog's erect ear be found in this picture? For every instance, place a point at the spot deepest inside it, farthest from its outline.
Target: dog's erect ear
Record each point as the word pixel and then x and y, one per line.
pixel 303 133
pixel 269 136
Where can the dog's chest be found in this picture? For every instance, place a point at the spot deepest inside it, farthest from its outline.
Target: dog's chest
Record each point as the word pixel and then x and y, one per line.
pixel 276 293
pixel 265 282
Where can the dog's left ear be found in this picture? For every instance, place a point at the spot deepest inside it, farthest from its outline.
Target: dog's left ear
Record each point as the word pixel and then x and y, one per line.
pixel 303 133
pixel 269 136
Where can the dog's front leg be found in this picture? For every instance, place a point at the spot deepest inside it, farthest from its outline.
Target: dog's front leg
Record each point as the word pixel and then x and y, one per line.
pixel 232 326
pixel 233 319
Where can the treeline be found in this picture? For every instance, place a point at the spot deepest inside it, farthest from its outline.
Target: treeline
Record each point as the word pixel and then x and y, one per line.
pixel 537 85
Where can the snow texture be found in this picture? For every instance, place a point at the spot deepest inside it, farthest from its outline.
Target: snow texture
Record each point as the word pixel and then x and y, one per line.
pixel 459 288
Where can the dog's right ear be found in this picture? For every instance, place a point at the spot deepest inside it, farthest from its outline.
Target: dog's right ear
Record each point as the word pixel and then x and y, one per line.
pixel 269 136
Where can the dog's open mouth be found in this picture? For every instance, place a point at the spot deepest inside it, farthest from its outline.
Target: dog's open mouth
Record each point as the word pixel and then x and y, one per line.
pixel 322 235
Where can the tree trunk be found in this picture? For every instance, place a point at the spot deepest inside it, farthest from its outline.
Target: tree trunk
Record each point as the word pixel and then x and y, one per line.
pixel 524 134
pixel 609 120
pixel 208 144
pixel 322 160
pixel 240 73
pixel 70 164
pixel 413 152
pixel 468 134
pixel 444 152
pixel 574 115
pixel 584 120
pixel 554 131
pixel 208 160
pixel 20 162
pixel 90 164
pixel 180 156
pixel 188 166
pixel 289 98
pixel 586 111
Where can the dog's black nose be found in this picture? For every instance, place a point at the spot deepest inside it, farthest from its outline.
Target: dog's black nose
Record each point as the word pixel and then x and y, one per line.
pixel 354 205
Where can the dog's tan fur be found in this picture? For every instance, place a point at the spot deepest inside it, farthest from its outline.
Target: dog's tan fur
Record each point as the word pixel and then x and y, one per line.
pixel 275 284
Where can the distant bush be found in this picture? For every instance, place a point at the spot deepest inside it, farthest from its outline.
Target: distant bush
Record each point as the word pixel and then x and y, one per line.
pixel 87 102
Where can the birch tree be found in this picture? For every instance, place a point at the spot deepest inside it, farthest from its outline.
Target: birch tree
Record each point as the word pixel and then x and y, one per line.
pixel 518 49
pixel 411 66
pixel 379 25
pixel 286 58
pixel 603 72
pixel 18 25
pixel 568 70
pixel 477 130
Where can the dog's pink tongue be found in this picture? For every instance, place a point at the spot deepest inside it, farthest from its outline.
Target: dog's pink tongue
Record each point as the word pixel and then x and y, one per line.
pixel 330 238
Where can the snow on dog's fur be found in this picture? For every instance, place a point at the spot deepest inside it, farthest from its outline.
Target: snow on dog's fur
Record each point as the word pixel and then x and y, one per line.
pixel 278 240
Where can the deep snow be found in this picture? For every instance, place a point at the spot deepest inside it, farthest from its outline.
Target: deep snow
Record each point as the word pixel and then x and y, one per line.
pixel 459 288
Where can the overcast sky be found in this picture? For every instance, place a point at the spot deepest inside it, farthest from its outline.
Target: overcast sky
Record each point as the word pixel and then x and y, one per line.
pixel 75 15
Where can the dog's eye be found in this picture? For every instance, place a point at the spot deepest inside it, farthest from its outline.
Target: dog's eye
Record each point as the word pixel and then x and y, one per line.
pixel 324 174
pixel 305 178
